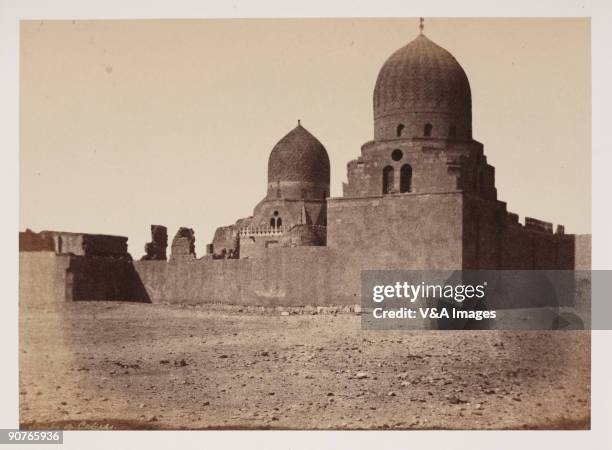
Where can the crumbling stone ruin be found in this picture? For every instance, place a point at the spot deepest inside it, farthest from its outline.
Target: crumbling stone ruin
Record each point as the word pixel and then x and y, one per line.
pixel 183 245
pixel 77 244
pixel 29 241
pixel 156 249
pixel 57 266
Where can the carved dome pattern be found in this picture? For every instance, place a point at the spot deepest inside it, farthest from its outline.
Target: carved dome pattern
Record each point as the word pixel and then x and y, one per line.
pixel 422 77
pixel 298 157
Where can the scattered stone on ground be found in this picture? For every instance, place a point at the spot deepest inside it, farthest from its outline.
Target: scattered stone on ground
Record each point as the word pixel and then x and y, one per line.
pixel 212 367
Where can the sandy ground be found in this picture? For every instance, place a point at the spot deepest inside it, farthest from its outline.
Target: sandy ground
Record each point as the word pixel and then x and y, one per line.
pixel 127 366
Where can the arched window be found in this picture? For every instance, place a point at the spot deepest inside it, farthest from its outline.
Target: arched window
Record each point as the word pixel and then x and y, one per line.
pixel 453 131
pixel 388 179
pixel 276 221
pixel 427 130
pixel 400 130
pixel 405 178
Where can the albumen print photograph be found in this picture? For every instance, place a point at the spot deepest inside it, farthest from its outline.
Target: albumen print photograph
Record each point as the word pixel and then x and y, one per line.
pixel 208 208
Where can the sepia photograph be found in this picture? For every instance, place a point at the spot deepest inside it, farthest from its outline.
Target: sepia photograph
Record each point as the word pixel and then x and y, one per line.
pixel 342 224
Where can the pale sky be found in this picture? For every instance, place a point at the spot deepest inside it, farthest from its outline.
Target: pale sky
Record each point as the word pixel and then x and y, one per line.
pixel 130 123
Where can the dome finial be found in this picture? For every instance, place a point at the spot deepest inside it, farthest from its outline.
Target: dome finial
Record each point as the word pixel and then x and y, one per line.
pixel 421 25
pixel 299 122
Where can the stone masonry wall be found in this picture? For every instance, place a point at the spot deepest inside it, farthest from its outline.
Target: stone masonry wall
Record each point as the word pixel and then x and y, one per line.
pixel 42 279
pixel 281 276
pixel 62 242
pixel 417 231
pixel 99 278
pixel 427 231
pixel 494 239
pixel 47 279
pixel 317 276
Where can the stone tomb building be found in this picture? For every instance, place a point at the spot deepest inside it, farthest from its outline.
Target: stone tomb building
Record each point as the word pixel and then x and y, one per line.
pixel 421 195
pixel 293 212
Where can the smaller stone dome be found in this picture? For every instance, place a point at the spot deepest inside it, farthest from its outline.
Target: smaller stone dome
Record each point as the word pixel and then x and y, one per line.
pixel 298 157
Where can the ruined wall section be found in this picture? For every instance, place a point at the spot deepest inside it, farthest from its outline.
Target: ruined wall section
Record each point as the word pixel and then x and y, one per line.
pixel 183 245
pixel 495 239
pixel 224 241
pixel 47 279
pixel 58 266
pixel 156 249
pixel 84 244
pixel 29 241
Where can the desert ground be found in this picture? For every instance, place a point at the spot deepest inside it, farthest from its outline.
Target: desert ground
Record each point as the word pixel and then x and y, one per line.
pixel 98 365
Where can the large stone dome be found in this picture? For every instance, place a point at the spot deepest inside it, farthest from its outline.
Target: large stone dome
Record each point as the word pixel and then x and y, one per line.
pixel 422 91
pixel 298 163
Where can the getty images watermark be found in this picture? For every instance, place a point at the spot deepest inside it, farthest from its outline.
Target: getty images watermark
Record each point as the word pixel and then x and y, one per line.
pixel 478 299
pixel 420 293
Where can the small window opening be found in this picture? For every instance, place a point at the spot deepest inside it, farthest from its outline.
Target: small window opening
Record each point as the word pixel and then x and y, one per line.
pixel 276 222
pixel 405 178
pixel 400 130
pixel 388 179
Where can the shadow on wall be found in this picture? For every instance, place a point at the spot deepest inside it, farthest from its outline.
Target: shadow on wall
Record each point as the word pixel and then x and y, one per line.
pixel 95 279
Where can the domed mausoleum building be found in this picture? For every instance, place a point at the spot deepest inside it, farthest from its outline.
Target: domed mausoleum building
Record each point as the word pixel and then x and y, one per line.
pixel 421 195
pixel 422 129
pixel 293 213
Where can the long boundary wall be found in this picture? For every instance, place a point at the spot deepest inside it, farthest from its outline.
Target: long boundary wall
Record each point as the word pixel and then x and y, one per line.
pixel 281 276
pixel 318 276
